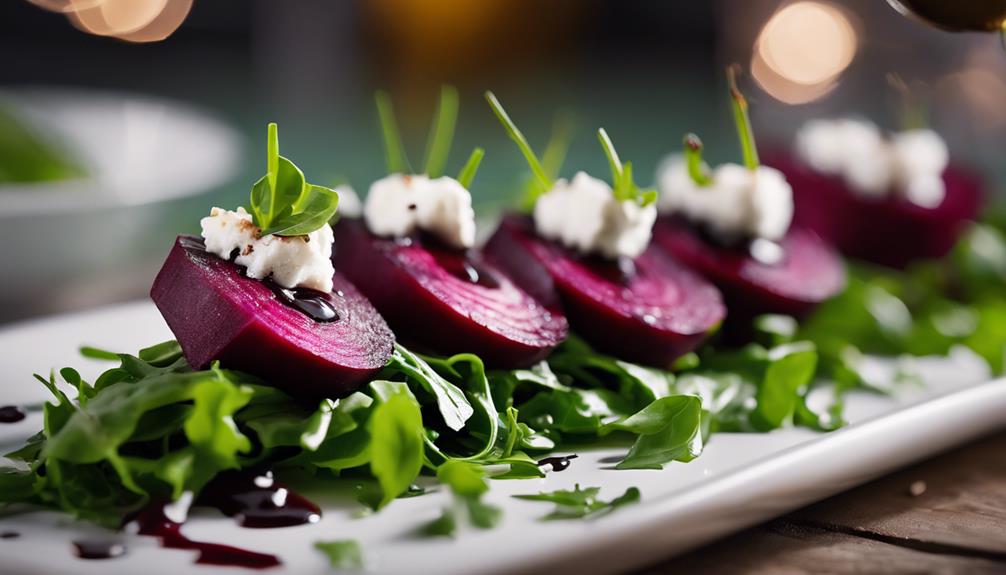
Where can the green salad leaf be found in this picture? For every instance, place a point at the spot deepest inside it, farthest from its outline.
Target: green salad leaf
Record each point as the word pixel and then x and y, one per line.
pixel 27 156
pixel 467 484
pixel 342 553
pixel 580 503
pixel 283 203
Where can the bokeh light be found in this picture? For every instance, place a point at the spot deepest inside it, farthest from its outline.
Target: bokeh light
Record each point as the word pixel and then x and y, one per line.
pixel 802 50
pixel 130 20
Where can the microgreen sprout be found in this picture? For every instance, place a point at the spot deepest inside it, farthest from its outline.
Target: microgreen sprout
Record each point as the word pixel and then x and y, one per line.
pixel 438 144
pixel 467 173
pixel 282 202
pixel 552 159
pixel 697 169
pixel 394 152
pixel 912 110
pixel 742 120
pixel 622 184
pixel 516 135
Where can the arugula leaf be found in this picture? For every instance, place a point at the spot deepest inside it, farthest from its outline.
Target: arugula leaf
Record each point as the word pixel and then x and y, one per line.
pixel 342 553
pixel 581 503
pixel 282 203
pixel 451 401
pixel 791 367
pixel 669 429
pixel 467 483
pixel 396 451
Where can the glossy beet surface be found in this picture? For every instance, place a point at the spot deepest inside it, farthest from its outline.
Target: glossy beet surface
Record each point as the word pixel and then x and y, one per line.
pixel 809 272
pixel 217 313
pixel 447 301
pixel 649 310
pixel 888 231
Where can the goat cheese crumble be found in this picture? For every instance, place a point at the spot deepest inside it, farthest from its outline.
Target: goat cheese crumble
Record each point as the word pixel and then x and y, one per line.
pixel 909 163
pixel 738 202
pixel 400 204
pixel 583 214
pixel 293 261
pixel 350 205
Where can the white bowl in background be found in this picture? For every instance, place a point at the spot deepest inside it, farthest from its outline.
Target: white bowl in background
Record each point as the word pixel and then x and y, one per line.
pixel 101 237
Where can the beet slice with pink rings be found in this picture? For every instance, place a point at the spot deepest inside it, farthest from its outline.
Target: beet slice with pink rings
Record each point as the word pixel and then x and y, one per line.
pixel 447 301
pixel 808 273
pixel 889 231
pixel 307 343
pixel 650 309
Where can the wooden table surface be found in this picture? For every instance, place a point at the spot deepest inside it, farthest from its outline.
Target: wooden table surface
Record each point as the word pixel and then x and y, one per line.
pixel 944 515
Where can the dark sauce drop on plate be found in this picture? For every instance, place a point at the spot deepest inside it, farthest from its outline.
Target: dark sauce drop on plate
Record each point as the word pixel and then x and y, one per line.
pixel 11 414
pixel 319 306
pixel 257 501
pixel 558 463
pixel 152 521
pixel 9 535
pixel 99 549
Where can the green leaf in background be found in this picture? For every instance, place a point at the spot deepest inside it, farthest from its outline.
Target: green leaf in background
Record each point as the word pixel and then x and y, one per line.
pixel 26 155
pixel 396 451
pixel 282 203
pixel 343 554
pixel 438 145
pixel 581 503
pixel 467 484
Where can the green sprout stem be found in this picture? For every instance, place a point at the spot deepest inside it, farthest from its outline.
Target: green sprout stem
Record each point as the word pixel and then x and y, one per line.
pixel 558 144
pixel 697 169
pixel 438 145
pixel 613 161
pixel 516 135
pixel 742 120
pixel 912 110
pixel 467 173
pixel 272 153
pixel 394 152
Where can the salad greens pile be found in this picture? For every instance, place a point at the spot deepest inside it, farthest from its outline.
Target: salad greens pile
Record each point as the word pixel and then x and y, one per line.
pixel 152 428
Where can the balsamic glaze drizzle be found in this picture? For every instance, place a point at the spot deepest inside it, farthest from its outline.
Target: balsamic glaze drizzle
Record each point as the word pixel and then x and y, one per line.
pixel 558 463
pixel 11 414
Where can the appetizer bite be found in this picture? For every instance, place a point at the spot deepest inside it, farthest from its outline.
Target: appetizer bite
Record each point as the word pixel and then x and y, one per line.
pixel 413 254
pixel 888 199
pixel 586 249
pixel 732 225
pixel 257 292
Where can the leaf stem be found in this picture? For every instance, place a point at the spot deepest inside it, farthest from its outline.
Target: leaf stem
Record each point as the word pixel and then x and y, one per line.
pixel 272 153
pixel 742 120
pixel 516 135
pixel 467 173
pixel 558 144
pixel 394 152
pixel 438 145
pixel 697 169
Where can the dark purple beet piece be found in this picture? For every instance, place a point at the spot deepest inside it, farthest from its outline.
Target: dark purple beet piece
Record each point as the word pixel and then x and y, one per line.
pixel 888 231
pixel 448 301
pixel 217 313
pixel 650 310
pixel 809 273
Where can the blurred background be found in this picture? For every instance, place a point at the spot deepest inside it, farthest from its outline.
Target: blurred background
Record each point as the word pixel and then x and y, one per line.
pixel 136 116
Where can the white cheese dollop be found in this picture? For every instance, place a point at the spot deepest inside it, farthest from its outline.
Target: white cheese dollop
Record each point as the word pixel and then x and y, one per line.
pixel 294 261
pixel 738 202
pixel 400 204
pixel 584 214
pixel 350 205
pixel 910 163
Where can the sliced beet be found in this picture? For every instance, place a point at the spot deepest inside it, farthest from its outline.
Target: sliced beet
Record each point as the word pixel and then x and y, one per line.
pixel 447 301
pixel 217 313
pixel 649 310
pixel 889 231
pixel 809 272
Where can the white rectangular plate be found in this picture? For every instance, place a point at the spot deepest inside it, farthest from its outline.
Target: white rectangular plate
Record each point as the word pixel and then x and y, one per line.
pixel 740 479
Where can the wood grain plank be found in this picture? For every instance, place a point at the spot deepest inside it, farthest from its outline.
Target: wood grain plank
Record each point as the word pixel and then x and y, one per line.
pixel 945 515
